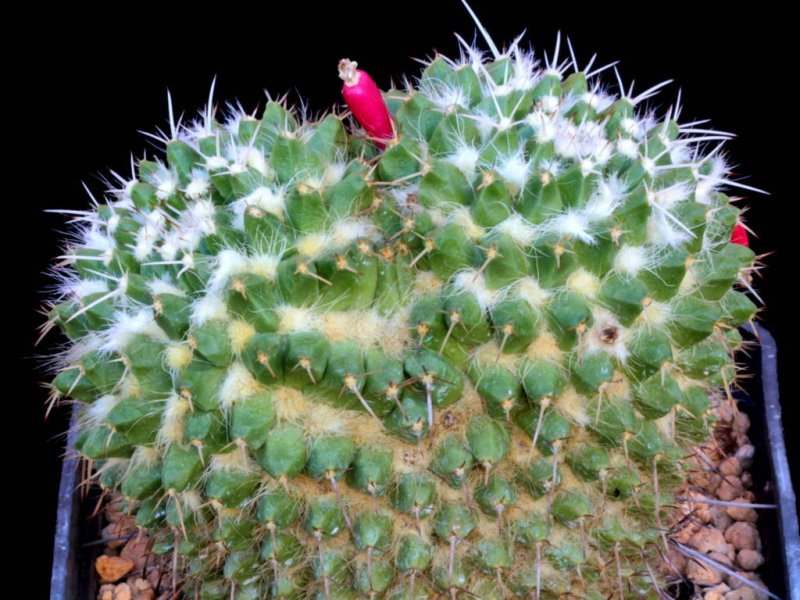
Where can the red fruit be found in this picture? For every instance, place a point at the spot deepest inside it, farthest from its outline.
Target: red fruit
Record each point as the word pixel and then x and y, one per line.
pixel 365 101
pixel 739 236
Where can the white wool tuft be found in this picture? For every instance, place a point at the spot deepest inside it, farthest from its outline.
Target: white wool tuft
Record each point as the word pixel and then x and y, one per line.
pixel 660 232
pixel 265 199
pixel 655 314
pixel 633 127
pixel 447 97
pixel 175 410
pixel 95 239
pixel 216 163
pixel 97 412
pixel 312 245
pixel 542 124
pixel 575 224
pixel 518 229
pixel 463 218
pixel 238 385
pixel 265 265
pixel 295 318
pixel 159 286
pixel 485 123
pixel 597 100
pixel 630 260
pixel 208 308
pixel 549 103
pixel 345 232
pixel 253 158
pixel 578 141
pixel 173 240
pixel 515 170
pixel 473 281
pixel 126 326
pixel 628 147
pixel 584 283
pixel 669 196
pixel 199 185
pixel 113 223
pixel 529 290
pixel 150 232
pixel 228 262
pixel 166 184
pixel 465 158
pixel 82 288
pixel 606 197
pixel 333 173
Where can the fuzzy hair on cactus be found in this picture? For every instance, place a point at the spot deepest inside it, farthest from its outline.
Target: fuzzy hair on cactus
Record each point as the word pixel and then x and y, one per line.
pixel 466 359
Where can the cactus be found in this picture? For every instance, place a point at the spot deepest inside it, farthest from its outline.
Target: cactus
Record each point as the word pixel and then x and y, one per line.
pixel 465 358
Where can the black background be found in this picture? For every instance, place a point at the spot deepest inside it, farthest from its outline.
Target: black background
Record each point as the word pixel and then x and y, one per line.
pixel 84 82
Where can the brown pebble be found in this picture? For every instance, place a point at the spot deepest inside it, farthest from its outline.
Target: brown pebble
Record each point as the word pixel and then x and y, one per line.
pixel 750 560
pixel 684 535
pixel 675 563
pixel 730 488
pixel 142 590
pixel 705 480
pixel 742 513
pixel 113 510
pixel 106 592
pixel 117 532
pixel 747 479
pixel 123 592
pixel 741 423
pixel 731 553
pixel 153 575
pixel 743 535
pixel 724 413
pixel 112 568
pixel 737 584
pixel 709 540
pixel 723 558
pixel 140 584
pixel 731 466
pixel 137 550
pixel 720 518
pixel 742 593
pixel 717 592
pixel 703 513
pixel 745 455
pixel 148 594
pixel 702 573
pixel 110 533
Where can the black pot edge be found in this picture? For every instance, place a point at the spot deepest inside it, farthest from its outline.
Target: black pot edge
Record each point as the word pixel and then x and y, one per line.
pixel 65 576
pixel 63 579
pixel 781 476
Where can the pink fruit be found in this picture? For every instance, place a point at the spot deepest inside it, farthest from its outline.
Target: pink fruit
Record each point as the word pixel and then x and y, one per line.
pixel 366 102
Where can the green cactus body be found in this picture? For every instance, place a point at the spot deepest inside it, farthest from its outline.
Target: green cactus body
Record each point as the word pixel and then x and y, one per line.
pixel 456 365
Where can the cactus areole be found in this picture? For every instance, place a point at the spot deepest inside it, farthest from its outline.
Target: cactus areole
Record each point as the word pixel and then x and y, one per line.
pixel 466 361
